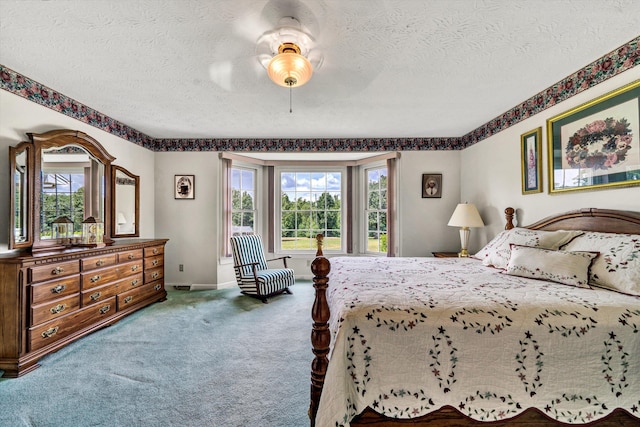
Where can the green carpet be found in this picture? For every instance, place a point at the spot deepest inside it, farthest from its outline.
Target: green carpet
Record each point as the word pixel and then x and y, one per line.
pixel 201 358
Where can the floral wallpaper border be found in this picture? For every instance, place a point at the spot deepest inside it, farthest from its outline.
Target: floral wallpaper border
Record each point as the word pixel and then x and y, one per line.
pixel 611 64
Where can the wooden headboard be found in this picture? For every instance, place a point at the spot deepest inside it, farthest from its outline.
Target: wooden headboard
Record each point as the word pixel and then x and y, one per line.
pixel 587 219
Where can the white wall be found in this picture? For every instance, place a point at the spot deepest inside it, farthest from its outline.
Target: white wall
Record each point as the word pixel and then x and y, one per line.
pixel 491 174
pixel 191 225
pixel 19 116
pixel 423 222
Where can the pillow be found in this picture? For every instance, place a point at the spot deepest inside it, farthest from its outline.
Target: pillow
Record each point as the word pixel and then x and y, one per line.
pixel 568 268
pixel 618 267
pixel 497 252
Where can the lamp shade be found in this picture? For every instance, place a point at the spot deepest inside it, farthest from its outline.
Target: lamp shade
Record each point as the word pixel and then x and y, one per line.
pixel 289 68
pixel 466 215
pixel 121 218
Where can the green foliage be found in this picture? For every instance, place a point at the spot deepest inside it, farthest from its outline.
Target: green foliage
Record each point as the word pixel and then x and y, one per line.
pixel 305 218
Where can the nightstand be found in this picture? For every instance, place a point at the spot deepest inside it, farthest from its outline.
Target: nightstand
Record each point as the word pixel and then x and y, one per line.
pixel 445 254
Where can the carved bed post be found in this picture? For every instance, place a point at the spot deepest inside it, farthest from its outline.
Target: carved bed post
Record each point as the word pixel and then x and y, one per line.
pixel 320 335
pixel 509 214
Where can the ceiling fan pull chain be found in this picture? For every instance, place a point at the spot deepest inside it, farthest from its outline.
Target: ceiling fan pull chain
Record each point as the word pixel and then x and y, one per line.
pixel 290 96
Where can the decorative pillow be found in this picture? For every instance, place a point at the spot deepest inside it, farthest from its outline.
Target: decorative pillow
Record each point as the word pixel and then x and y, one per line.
pixel 618 267
pixel 497 252
pixel 568 268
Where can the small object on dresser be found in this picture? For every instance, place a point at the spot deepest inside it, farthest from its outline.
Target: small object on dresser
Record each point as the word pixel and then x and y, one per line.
pixel 92 233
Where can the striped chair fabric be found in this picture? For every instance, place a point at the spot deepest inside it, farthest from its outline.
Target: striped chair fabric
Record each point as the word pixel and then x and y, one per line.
pixel 248 251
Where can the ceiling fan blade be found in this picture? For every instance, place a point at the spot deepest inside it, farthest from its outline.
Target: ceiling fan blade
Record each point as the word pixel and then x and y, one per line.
pixel 236 75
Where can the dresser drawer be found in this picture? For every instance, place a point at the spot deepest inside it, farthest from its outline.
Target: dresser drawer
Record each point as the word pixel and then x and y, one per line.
pixel 133 297
pixel 50 310
pixel 129 255
pixel 131 282
pixel 100 293
pixel 153 274
pixel 153 251
pixel 155 261
pixel 54 289
pixel 99 261
pixel 94 278
pixel 53 271
pixel 50 332
pixel 130 268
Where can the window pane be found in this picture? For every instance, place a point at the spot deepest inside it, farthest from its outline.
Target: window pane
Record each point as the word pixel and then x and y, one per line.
pixel 376 216
pixel 303 181
pixel 243 206
pixel 247 200
pixel 247 180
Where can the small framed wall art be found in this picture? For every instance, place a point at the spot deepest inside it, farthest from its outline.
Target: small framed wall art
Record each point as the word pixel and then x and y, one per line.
pixel 184 187
pixel 595 145
pixel 431 185
pixel 531 161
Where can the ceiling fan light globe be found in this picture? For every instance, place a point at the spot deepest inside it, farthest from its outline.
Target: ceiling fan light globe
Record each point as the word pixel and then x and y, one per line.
pixel 288 66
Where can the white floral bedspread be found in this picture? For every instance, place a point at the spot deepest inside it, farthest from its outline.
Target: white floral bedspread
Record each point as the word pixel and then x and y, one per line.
pixel 411 335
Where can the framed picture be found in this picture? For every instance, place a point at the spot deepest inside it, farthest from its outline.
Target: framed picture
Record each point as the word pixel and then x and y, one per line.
pixel 531 161
pixel 431 185
pixel 597 144
pixel 184 187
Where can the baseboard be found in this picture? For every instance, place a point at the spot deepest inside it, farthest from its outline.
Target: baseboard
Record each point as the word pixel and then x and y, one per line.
pixel 203 286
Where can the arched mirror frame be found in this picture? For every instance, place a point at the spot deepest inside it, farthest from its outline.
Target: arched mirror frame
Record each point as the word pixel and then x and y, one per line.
pixel 23 196
pixel 60 138
pixel 114 201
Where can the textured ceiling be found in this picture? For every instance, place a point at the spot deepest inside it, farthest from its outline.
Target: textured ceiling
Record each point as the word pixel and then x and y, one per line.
pixel 188 69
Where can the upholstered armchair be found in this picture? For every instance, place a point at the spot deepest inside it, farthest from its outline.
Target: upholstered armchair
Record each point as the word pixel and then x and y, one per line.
pixel 253 275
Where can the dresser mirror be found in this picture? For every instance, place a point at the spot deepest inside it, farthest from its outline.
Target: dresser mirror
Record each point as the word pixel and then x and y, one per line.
pixel 125 206
pixel 20 157
pixel 65 178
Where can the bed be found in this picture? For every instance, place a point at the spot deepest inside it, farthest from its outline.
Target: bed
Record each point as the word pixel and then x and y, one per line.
pixel 500 340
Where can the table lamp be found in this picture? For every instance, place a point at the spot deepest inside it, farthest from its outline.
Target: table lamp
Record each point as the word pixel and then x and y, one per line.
pixel 465 216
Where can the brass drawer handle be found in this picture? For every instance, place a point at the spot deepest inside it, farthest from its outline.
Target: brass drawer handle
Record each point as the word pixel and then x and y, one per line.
pixel 100 263
pixel 155 251
pixel 105 309
pixel 58 309
pixel 130 256
pixel 128 299
pixel 95 296
pixel 58 289
pixel 158 287
pixel 154 262
pixel 134 282
pixel 134 267
pixel 57 270
pixel 155 274
pixel 49 332
pixel 95 278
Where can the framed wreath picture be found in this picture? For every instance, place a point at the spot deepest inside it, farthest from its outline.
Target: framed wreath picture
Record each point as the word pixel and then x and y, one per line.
pixel 531 161
pixel 597 144
pixel 184 187
pixel 431 185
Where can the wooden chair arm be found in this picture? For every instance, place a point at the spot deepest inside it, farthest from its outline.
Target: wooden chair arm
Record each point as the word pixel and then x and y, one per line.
pixel 283 258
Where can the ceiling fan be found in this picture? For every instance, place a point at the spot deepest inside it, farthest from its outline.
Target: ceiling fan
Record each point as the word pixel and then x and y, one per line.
pixel 284 49
pixel 308 30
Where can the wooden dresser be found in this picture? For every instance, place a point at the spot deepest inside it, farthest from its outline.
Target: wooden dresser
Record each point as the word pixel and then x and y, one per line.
pixel 50 299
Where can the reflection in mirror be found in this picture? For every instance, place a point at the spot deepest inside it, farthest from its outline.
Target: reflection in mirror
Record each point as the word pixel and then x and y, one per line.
pixel 126 198
pixel 19 163
pixel 72 186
